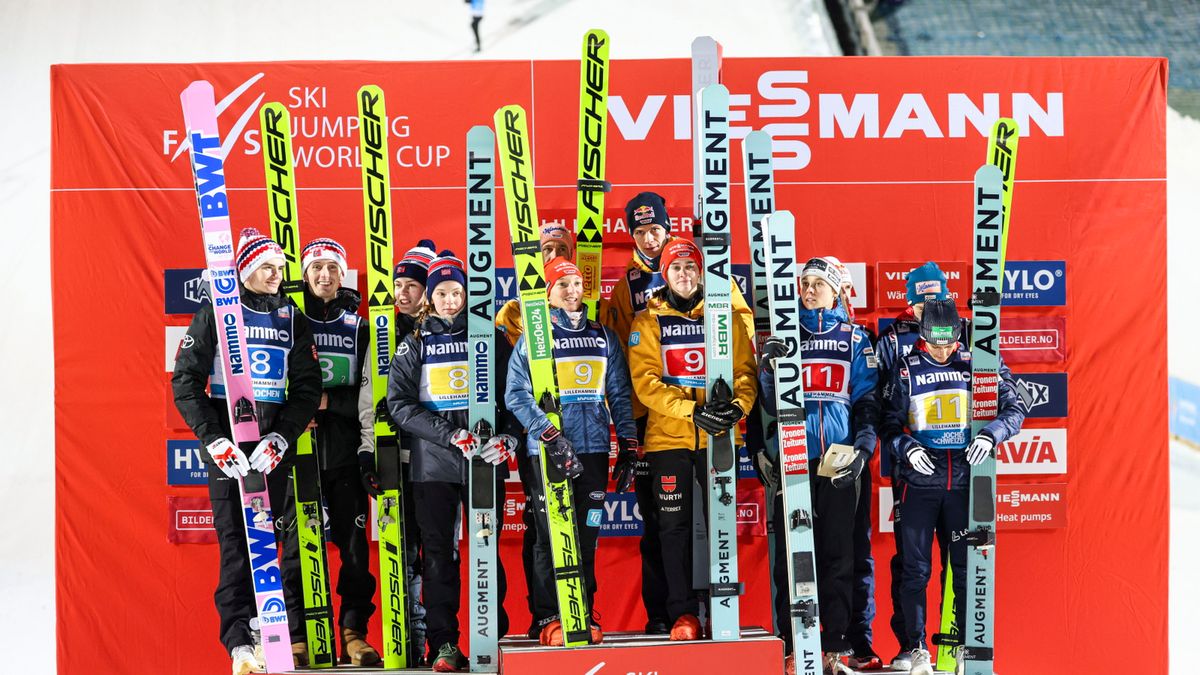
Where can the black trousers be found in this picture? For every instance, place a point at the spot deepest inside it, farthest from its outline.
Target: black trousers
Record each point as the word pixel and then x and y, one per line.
pixel 673 475
pixel 348 513
pixel 438 506
pixel 234 597
pixel 588 491
pixel 897 566
pixel 924 512
pixel 654 580
pixel 833 537
pixel 529 519
pixel 862 598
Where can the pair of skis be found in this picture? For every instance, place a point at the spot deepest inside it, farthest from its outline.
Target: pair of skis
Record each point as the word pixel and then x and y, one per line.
pixel 208 172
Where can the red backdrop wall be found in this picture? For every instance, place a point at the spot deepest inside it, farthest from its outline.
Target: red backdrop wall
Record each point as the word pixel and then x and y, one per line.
pixel 874 157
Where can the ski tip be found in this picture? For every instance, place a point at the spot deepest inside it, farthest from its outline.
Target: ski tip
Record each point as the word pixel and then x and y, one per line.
pixel 199 89
pixel 597 33
pixel 989 175
pixel 513 112
pixel 481 133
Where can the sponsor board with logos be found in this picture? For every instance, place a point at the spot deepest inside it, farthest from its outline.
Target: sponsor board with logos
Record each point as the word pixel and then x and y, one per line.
pixel 185 289
pixel 190 520
pixel 755 652
pixel 184 464
pixel 1025 339
pixel 1045 394
pixel 1033 452
pixel 1035 283
pixel 891 279
pixel 1025 506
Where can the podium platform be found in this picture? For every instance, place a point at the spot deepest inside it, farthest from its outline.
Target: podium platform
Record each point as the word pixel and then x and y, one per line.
pixel 636 654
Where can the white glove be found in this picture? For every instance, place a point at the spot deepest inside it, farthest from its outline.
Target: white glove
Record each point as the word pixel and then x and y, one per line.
pixel 229 458
pixel 843 460
pixel 268 453
pixel 980 449
pixel 498 449
pixel 466 442
pixel 919 460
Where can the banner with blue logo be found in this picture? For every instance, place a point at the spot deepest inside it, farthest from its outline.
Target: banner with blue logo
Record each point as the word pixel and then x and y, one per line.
pixel 1035 283
pixel 184 465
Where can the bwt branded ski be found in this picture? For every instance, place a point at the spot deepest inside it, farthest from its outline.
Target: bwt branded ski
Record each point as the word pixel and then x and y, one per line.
pixel 706 70
pixel 760 201
pixel 208 172
pixel 779 231
pixel 481 406
pixel 377 211
pixel 593 123
pixel 715 242
pixel 275 122
pixel 517 171
pixel 992 203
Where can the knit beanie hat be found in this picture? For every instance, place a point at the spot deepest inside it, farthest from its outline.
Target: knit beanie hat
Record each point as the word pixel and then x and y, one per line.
pixel 925 281
pixel 679 248
pixel 556 232
pixel 324 249
pixel 557 269
pixel 253 250
pixel 827 270
pixel 415 263
pixel 445 267
pixel 645 209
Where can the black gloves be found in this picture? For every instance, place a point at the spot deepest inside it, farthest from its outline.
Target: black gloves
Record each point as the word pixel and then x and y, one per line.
pixel 366 472
pixel 626 464
pixel 717 418
pixel 560 451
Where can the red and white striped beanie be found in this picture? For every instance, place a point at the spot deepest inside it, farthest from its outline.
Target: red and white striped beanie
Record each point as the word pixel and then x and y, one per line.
pixel 253 250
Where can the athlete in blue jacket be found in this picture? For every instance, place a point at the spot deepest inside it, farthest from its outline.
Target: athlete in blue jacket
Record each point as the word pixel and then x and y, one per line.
pixel 594 390
pixel 840 380
pixel 926 428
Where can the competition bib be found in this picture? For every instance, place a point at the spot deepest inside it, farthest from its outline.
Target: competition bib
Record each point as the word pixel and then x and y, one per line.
pixel 938 410
pixel 444 372
pixel 268 343
pixel 682 346
pixel 337 350
pixel 581 360
pixel 827 358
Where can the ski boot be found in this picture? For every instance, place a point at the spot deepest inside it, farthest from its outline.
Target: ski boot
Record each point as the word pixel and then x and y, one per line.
pixel 552 634
pixel 687 627
pixel 244 661
pixel 449 659
pixel 356 651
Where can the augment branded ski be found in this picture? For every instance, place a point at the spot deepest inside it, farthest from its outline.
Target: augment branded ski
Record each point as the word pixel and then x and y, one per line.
pixel 779 231
pixel 481 405
pixel 517 171
pixel 760 201
pixel 377 212
pixel 715 242
pixel 593 125
pixel 706 70
pixel 306 478
pixel 992 202
pixel 208 172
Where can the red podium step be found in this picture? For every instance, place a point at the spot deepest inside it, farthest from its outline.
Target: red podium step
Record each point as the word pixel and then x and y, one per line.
pixel 635 654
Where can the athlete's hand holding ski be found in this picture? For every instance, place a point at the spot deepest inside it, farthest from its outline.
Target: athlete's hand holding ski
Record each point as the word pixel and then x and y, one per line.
pixel 980 448
pixel 560 451
pixel 717 417
pixel 498 449
pixel 230 459
pixel 772 348
pixel 919 459
pixel 851 471
pixel 268 453
pixel 466 442
pixel 626 464
pixel 366 473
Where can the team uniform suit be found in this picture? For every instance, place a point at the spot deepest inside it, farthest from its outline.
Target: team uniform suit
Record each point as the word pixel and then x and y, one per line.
pixel 287 389
pixel 594 390
pixel 667 356
pixel 840 379
pixel 628 299
pixel 928 406
pixel 427 397
pixel 341 337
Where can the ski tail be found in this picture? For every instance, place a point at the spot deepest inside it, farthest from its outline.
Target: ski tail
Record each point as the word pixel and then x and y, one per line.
pixel 591 185
pixel 377 215
pixel 208 174
pixel 279 168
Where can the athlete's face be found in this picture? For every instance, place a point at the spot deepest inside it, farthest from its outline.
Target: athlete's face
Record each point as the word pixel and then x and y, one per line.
pixel 324 278
pixel 567 293
pixel 815 293
pixel 448 299
pixel 266 279
pixel 941 354
pixel 683 276
pixel 410 296
pixel 650 239
pixel 555 248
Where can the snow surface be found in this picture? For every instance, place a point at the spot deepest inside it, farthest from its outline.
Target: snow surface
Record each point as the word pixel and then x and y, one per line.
pixel 34 35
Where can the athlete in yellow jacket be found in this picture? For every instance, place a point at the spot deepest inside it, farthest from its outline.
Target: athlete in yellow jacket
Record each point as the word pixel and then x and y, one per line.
pixel 667 359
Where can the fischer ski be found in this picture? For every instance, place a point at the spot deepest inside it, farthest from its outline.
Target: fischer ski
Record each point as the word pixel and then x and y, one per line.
pixel 523 221
pixel 992 203
pixel 208 173
pixel 593 123
pixel 779 231
pixel 481 326
pixel 715 242
pixel 280 173
pixel 373 145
